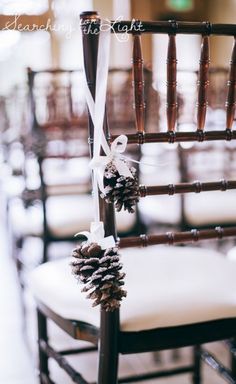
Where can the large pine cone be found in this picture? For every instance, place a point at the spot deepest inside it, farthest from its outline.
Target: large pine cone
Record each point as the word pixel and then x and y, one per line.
pixel 120 190
pixel 99 271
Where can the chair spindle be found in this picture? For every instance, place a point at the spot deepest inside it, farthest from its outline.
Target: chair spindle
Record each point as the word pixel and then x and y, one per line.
pixel 171 108
pixel 138 84
pixel 231 97
pixel 203 83
pixel 172 238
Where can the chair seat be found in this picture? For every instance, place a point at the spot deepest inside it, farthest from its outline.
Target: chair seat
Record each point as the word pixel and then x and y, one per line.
pixel 169 286
pixel 66 215
pixel 231 254
pixel 211 208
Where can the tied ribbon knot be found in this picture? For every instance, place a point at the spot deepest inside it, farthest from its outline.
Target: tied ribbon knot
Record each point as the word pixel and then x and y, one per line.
pixel 97 235
pixel 114 155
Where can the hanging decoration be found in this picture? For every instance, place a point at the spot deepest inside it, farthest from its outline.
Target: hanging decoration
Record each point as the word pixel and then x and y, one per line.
pixel 97 265
pixel 121 190
pixel 117 181
pixel 96 262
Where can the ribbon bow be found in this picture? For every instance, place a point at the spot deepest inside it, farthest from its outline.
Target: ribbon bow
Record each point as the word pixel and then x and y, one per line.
pixel 96 235
pixel 113 154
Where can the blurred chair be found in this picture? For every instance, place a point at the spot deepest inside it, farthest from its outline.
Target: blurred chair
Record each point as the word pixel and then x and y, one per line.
pixel 190 161
pixel 56 200
pixel 161 164
pixel 177 296
pixel 209 161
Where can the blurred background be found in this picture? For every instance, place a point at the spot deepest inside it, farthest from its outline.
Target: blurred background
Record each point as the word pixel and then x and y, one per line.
pixel 45 186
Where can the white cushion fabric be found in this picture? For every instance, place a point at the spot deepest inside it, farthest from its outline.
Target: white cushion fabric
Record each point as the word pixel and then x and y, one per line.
pixel 71 214
pixel 211 208
pixel 167 286
pixel 161 209
pixel 60 171
pixel 231 255
pixel 66 216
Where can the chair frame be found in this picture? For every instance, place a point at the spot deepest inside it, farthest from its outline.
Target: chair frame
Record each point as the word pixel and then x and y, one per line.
pixel 109 339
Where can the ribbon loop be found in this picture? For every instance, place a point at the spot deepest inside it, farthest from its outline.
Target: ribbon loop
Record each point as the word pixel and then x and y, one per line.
pixel 99 163
pixel 119 144
pixel 96 235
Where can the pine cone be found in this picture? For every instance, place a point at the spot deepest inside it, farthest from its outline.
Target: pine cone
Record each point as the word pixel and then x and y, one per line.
pixel 121 190
pixel 99 270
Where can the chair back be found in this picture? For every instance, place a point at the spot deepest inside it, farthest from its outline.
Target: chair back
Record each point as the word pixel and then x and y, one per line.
pixel 140 135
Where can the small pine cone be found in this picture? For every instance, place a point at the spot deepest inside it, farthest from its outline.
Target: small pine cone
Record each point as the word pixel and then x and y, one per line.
pixel 86 260
pixel 120 190
pixel 100 271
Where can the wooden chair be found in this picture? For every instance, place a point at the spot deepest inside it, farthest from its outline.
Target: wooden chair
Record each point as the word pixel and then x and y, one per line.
pixel 209 161
pixel 56 118
pixel 177 296
pixel 191 161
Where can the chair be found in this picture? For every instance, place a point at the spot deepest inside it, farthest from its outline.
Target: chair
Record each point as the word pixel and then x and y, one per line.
pixel 177 296
pixel 209 161
pixel 57 117
pixel 191 161
pixel 217 161
pixel 165 158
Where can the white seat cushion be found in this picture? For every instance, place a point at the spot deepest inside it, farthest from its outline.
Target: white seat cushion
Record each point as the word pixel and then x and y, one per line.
pixel 167 286
pixel 161 209
pixel 66 216
pixel 231 254
pixel 211 208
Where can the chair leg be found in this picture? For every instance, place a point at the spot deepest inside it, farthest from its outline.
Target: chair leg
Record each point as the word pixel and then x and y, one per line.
pixel 42 335
pixel 45 250
pixel 233 359
pixel 108 349
pixel 197 364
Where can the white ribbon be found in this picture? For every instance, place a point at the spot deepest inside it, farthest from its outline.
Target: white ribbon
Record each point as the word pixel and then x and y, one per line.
pixel 96 235
pixel 99 163
pixel 97 109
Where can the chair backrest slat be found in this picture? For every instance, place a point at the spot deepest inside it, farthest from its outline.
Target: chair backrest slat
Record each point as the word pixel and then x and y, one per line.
pixel 171 238
pixel 138 79
pixel 183 27
pixel 171 107
pixel 90 51
pixel 231 97
pixel 196 187
pixel 203 83
pixel 177 137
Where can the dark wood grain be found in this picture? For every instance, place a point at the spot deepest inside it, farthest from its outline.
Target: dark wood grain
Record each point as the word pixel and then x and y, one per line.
pixel 171 100
pixel 109 321
pixel 196 186
pixel 138 79
pixel 231 97
pixel 62 362
pixel 203 83
pixel 171 238
pixel 176 137
pixel 184 27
